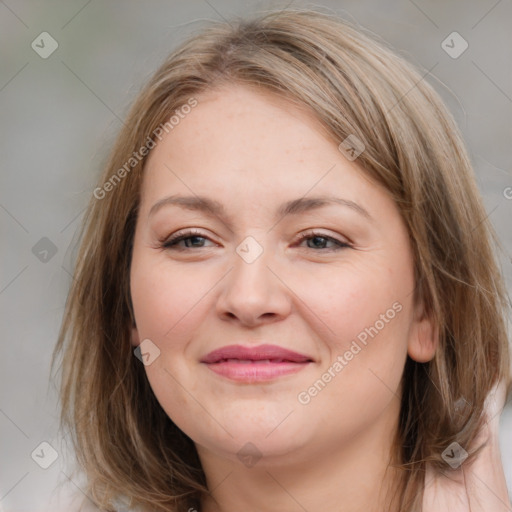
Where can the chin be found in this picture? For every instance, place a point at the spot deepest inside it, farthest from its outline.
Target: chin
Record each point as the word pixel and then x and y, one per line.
pixel 269 432
pixel 247 449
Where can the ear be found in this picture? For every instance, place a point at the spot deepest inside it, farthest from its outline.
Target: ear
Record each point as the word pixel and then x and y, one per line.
pixel 135 336
pixel 423 336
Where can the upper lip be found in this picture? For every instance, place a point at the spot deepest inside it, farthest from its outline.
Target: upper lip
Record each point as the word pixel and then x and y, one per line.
pixel 257 353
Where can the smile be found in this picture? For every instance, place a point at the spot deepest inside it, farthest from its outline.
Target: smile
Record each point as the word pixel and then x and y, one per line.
pixel 255 364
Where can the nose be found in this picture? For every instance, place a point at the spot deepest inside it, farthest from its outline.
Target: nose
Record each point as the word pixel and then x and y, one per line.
pixel 254 292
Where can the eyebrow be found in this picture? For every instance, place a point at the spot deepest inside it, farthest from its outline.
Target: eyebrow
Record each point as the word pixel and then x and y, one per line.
pixel 298 206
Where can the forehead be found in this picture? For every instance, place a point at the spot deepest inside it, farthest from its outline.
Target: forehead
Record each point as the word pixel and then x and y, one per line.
pixel 235 119
pixel 249 149
pixel 250 130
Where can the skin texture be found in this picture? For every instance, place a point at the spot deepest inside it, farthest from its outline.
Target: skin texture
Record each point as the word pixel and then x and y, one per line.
pixel 252 152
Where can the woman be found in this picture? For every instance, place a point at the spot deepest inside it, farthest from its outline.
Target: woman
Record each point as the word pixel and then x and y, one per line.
pixel 289 238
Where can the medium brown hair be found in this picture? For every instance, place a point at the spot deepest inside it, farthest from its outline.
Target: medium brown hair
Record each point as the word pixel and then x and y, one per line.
pixel 355 86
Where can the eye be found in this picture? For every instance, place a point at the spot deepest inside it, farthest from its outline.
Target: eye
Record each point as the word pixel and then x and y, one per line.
pixel 320 239
pixel 195 239
pixel 191 238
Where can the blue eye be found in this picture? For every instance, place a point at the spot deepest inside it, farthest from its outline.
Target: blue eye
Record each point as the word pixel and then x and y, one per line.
pixel 194 239
pixel 338 244
pixel 184 236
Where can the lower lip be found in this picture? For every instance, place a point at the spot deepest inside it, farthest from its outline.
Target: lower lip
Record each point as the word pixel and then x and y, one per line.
pixel 255 371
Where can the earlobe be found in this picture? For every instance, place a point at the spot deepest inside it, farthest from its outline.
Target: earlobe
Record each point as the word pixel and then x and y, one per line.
pixel 135 337
pixel 423 339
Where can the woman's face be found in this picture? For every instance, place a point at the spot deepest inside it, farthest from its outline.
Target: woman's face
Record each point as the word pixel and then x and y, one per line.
pixel 334 309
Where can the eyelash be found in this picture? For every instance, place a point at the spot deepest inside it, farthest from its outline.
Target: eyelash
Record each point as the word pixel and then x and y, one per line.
pixel 171 243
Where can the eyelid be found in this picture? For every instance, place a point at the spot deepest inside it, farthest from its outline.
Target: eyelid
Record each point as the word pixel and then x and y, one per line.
pixel 185 233
pixel 317 233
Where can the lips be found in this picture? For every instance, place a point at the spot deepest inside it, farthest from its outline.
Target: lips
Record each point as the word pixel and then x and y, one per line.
pixel 254 364
pixel 261 353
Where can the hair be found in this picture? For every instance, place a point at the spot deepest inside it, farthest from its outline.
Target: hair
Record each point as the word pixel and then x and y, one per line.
pixel 355 85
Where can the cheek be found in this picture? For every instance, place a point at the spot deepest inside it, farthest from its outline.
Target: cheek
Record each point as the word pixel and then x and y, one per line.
pixel 367 310
pixel 167 304
pixel 165 299
pixel 352 300
pixel 360 378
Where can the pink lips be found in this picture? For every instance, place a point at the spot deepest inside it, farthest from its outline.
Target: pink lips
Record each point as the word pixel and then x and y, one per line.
pixel 251 364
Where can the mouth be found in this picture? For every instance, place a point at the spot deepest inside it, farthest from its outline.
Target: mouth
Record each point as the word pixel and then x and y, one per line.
pixel 255 364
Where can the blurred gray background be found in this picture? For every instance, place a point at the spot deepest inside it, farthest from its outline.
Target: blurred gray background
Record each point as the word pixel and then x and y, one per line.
pixel 61 108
